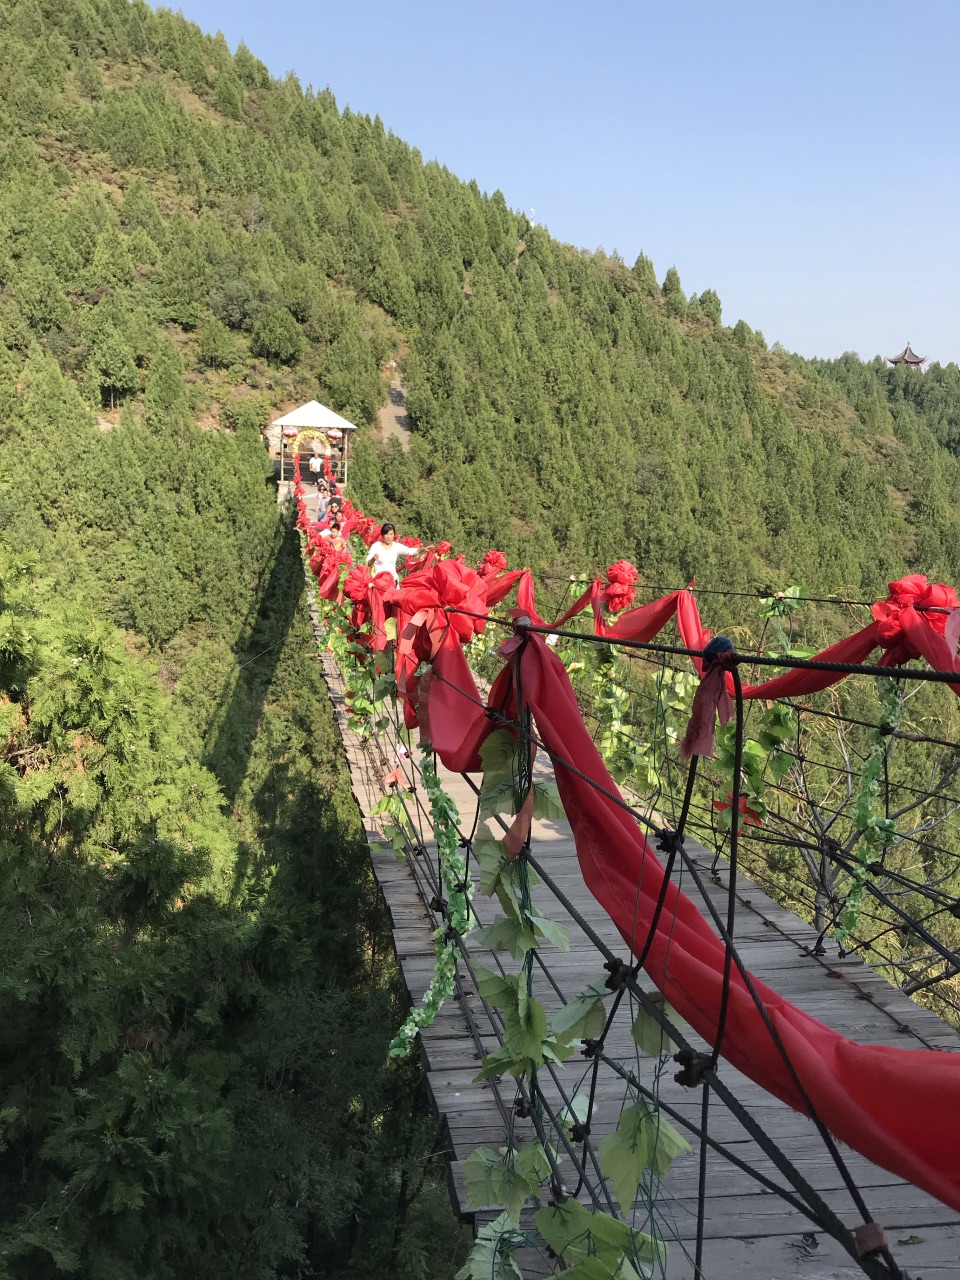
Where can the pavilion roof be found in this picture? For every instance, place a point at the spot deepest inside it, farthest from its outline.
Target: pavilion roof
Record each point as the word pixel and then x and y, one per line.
pixel 314 415
pixel 907 356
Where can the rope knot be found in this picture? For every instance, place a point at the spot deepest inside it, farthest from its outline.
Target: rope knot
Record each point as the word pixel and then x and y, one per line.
pixel 692 1066
pixel 620 974
pixel 720 652
pixel 669 841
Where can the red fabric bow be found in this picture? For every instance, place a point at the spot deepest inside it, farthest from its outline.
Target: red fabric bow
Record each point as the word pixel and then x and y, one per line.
pixel 423 625
pixel 492 563
pixel 368 593
pixel 905 626
pixel 620 591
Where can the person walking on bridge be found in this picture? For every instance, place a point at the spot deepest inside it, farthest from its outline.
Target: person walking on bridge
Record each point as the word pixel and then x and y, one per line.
pixel 383 554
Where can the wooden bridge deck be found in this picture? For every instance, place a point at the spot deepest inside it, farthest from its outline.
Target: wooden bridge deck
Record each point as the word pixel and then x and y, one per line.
pixel 749 1232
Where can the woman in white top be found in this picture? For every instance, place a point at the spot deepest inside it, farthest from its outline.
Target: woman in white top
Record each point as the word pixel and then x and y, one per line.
pixel 383 554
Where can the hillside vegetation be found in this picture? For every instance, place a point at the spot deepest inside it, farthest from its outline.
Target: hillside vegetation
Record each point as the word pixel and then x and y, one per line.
pixel 166 203
pixel 196 999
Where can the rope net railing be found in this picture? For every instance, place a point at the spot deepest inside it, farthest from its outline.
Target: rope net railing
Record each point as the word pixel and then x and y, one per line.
pixel 835 799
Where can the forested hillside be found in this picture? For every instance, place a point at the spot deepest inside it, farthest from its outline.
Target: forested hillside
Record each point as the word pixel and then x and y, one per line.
pixel 195 997
pixel 165 202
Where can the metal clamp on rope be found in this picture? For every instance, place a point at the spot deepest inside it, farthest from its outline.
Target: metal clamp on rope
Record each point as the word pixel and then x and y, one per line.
pixel 439 905
pixel 620 974
pixel 692 1067
pixel 869 1238
pixel 592 1048
pixel 579 1132
pixel 669 841
pixel 523 1109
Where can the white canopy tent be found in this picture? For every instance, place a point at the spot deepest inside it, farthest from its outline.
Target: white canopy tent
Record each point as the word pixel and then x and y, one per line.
pixel 312 416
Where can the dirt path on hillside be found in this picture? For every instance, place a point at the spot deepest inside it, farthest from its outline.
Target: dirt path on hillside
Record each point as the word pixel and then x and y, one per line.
pixel 393 420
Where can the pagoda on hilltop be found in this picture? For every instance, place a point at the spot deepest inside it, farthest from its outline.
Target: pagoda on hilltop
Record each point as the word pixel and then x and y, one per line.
pixel 908 356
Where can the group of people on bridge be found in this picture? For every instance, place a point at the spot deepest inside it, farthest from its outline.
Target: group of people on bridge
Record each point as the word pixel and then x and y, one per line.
pixel 335 524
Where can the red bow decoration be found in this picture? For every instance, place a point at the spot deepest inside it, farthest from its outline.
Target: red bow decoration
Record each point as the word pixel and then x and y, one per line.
pixel 368 593
pixel 492 563
pixel 620 591
pixel 908 624
pixel 423 625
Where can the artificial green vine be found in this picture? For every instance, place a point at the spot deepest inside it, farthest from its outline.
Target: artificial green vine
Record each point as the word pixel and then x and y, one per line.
pixel 877 832
pixel 453 871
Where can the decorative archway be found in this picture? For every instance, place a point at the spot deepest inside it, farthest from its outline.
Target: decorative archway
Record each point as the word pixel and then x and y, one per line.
pixel 312 434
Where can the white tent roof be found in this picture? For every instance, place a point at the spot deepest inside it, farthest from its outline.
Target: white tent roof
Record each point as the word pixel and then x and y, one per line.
pixel 313 415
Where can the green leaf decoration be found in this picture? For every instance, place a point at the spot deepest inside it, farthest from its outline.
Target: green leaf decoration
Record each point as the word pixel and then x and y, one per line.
pixel 498 753
pixel 518 930
pixel 530 1029
pixel 554 932
pixel 779 764
pixel 527 1038
pixel 503 1062
pixel 505 934
pixel 533 1163
pixel 490 858
pixel 665 1143
pixel 509 1177
pixel 398 840
pixel 496 799
pixel 583 1017
pixel 497 988
pixel 575 1234
pixel 643 1139
pixel 478 1173
pixel 647 1031
pixel 546 802
pixel 490 1258
pixel 575 1112
pixel 624 1154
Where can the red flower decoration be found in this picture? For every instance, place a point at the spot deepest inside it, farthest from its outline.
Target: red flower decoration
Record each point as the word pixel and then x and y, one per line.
pixel 411 541
pixel 750 816
pixel 913 591
pixel 493 562
pixel 619 593
pixel 357 583
pixel 622 571
pixel 444 548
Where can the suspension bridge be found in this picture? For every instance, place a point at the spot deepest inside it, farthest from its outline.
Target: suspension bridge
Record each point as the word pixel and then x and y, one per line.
pixel 751 1202
pixel 574 1140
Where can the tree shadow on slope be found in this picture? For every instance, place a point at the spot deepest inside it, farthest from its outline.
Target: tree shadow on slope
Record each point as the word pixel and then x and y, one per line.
pixel 359 1175
pixel 232 731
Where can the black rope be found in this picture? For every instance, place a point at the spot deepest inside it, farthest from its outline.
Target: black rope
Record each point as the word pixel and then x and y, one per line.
pixel 760 660
pixel 702 1180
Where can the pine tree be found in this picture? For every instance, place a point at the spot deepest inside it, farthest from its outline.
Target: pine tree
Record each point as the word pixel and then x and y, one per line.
pixel 276 336
pixel 165 398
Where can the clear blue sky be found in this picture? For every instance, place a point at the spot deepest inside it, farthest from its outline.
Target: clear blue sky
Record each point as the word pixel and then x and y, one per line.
pixel 798 156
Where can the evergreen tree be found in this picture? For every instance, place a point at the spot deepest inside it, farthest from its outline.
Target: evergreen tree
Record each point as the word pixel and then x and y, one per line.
pixel 276 336
pixel 165 397
pixel 673 294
